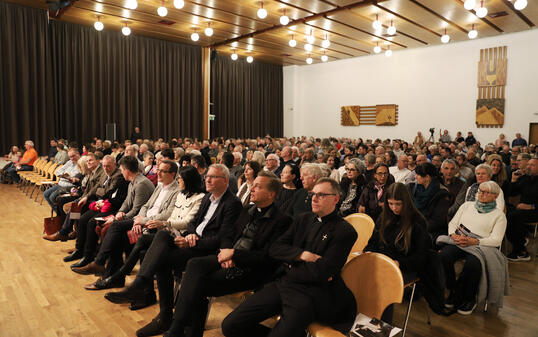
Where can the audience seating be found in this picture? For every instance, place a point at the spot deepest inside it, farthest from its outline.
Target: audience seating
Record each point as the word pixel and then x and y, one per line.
pixel 364 226
pixel 376 282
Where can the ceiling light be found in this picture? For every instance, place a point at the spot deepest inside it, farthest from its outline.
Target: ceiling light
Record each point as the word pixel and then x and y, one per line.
pixel 388 52
pixel 131 4
pixel 162 11
pixel 482 11
pixel 377 24
pixel 326 43
pixel 284 20
pixel 445 38
pixel 208 31
pixel 309 60
pixel 250 59
pixel 234 56
pixel 262 12
pixel 310 38
pixel 195 37
pixel 98 25
pixel 292 42
pixel 324 58
pixel 179 4
pixel 308 47
pixel 469 4
pixel 473 33
pixel 520 4
pixel 249 47
pixel 126 30
pixel 391 30
pixel 377 49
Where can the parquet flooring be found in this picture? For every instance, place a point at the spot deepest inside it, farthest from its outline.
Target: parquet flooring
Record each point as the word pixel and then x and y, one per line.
pixel 41 296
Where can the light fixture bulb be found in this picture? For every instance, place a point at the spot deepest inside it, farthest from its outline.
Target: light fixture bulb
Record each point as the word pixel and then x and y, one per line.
pixel 162 11
pixel 391 30
pixel 473 34
pixel 208 31
pixel 284 20
pixel 377 24
pixel 249 47
pixel 520 4
pixel 250 59
pixel 126 31
pixel 262 13
pixel 445 38
pixel 308 47
pixel 131 4
pixel 234 56
pixel 310 39
pixel 179 4
pixel 292 43
pixel 481 12
pixel 309 60
pixel 195 37
pixel 324 58
pixel 98 25
pixel 377 49
pixel 469 4
pixel 388 53
pixel 325 43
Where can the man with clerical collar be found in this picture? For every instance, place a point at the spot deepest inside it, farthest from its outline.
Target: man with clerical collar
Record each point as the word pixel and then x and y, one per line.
pixel 309 286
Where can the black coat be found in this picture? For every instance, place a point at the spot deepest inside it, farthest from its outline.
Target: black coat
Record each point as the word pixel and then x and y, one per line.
pixel 436 212
pixel 220 223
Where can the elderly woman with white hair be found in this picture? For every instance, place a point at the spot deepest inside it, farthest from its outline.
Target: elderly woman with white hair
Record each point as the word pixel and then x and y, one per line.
pixel 475 232
pixel 352 185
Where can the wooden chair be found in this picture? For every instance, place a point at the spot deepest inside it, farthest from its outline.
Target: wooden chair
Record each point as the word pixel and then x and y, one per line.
pixel 24 175
pixel 41 173
pixel 51 180
pixel 364 226
pixel 376 282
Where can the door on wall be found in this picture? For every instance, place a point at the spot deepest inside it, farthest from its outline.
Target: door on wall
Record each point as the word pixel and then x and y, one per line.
pixel 533 133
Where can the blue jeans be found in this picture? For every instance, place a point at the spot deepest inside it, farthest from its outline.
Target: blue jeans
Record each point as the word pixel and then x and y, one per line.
pixel 51 194
pixel 12 171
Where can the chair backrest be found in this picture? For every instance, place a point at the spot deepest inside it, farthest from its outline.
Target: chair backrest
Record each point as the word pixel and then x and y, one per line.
pixel 376 282
pixel 43 170
pixel 37 164
pixel 364 226
pixel 54 175
pixel 51 170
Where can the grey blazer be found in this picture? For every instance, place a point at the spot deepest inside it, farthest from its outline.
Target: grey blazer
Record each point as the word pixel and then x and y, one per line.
pixel 138 193
pixel 167 205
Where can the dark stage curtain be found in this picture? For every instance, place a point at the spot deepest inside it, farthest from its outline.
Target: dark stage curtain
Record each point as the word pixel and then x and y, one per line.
pixel 26 96
pixel 105 77
pixel 246 97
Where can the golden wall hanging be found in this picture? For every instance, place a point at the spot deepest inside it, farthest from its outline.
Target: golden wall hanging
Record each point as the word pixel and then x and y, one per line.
pixel 355 115
pixel 491 84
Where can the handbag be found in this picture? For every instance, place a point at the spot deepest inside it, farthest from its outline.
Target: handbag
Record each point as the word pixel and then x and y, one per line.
pixel 52 225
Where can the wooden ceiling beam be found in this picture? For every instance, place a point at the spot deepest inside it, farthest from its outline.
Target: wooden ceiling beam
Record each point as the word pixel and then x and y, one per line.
pixel 486 21
pixel 518 13
pixel 407 19
pixel 429 10
pixel 298 21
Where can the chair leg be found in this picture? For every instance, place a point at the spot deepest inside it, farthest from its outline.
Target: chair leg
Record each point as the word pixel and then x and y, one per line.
pixel 428 313
pixel 486 305
pixel 209 304
pixel 535 229
pixel 409 309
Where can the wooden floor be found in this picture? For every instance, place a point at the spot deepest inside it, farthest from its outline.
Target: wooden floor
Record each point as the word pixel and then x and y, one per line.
pixel 41 296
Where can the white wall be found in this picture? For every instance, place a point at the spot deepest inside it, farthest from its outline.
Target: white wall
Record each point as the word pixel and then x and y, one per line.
pixel 433 87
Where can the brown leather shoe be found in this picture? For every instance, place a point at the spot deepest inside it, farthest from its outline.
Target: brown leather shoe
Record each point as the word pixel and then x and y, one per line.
pixel 72 235
pixel 55 237
pixel 92 268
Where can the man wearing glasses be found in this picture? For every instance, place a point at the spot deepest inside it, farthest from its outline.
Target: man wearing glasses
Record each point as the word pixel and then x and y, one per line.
pixel 159 207
pixel 168 253
pixel 309 287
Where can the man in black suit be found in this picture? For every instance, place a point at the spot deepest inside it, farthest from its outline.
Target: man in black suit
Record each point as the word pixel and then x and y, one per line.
pixel 242 264
pixel 314 250
pixel 217 214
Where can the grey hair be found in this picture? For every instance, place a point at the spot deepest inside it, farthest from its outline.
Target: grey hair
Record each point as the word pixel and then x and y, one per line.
pixel 485 167
pixel 325 169
pixel 223 169
pixel 369 159
pixel 148 154
pixel 358 165
pixel 491 186
pixel 449 161
pixel 29 142
pixel 313 169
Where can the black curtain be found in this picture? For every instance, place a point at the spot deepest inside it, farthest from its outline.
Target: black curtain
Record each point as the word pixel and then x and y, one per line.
pixel 246 97
pixel 105 77
pixel 26 95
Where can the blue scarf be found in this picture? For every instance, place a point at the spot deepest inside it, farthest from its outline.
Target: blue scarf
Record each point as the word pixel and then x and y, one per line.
pixel 485 207
pixel 421 195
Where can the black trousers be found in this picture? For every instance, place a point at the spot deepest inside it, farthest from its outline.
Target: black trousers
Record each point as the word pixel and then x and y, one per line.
pixel 163 258
pixel 466 287
pixel 92 239
pixel 296 309
pixel 137 253
pixel 113 245
pixel 82 229
pixel 516 229
pixel 204 277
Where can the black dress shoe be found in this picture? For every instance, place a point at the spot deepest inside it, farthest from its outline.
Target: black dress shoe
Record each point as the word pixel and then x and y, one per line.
pixel 131 294
pixel 83 262
pixel 153 328
pixel 110 282
pixel 149 299
pixel 75 255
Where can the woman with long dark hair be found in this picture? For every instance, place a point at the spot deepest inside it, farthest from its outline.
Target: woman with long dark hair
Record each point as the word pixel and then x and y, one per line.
pixel 431 199
pixel 373 196
pixel 352 185
pixel 251 172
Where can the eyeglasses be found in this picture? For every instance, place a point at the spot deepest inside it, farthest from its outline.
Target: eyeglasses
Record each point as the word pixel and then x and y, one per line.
pixel 484 192
pixel 349 169
pixel 163 171
pixel 214 177
pixel 321 195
